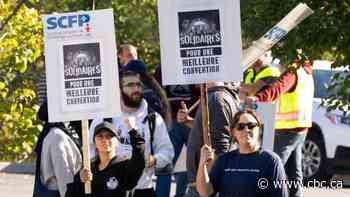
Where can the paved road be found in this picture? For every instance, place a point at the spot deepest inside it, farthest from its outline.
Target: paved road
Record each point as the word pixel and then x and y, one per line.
pixel 16 185
pixel 21 185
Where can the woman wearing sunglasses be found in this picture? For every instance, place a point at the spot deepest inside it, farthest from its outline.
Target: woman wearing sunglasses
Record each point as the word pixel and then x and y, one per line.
pixel 249 171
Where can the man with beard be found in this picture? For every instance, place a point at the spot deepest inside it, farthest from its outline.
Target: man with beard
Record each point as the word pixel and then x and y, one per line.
pixel 158 148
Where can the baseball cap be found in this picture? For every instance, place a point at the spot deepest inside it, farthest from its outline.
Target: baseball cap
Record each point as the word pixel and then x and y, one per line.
pixel 107 126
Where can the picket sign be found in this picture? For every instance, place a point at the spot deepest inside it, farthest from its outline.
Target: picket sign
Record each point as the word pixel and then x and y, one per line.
pixel 275 34
pixel 200 41
pixel 81 69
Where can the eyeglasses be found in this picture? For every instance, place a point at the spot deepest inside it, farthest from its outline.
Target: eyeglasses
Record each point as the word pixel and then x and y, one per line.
pixel 249 125
pixel 134 84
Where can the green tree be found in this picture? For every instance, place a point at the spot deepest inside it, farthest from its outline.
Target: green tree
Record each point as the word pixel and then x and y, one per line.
pixel 324 35
pixel 136 23
pixel 21 45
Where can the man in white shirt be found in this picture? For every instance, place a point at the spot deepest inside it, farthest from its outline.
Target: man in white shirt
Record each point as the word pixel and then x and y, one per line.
pixel 136 109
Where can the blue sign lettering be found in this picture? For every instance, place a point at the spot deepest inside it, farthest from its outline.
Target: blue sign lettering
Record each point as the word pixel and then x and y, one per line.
pixel 67 21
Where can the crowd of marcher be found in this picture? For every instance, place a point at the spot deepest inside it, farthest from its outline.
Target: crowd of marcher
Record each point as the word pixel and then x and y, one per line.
pixel 159 134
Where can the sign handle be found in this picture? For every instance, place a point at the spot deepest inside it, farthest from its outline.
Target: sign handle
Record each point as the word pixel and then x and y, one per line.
pixel 86 153
pixel 205 115
pixel 85 136
pixel 93 4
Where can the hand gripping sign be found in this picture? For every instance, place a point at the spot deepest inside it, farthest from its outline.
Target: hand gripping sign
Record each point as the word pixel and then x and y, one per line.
pixel 275 34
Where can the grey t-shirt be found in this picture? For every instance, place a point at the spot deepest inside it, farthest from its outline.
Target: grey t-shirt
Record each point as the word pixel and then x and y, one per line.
pixel 60 161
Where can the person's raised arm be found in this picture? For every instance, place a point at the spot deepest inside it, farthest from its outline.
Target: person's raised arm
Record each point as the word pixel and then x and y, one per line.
pixel 134 166
pixel 203 184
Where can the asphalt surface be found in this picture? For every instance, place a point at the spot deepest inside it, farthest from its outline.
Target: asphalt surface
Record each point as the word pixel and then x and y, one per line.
pixel 17 180
pixel 21 185
pixel 16 185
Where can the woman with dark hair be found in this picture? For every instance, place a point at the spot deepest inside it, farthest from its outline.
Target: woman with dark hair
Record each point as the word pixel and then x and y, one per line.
pixel 111 175
pixel 248 171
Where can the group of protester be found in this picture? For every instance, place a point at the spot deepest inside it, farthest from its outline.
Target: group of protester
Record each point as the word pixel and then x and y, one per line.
pixel 158 124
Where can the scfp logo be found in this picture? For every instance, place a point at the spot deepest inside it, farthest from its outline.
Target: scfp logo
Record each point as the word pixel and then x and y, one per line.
pixel 67 21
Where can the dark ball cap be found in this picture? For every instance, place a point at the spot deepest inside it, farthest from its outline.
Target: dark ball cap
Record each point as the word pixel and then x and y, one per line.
pixel 107 126
pixel 136 66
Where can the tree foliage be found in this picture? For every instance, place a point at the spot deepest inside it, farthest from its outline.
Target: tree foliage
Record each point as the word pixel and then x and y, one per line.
pixel 137 23
pixel 20 46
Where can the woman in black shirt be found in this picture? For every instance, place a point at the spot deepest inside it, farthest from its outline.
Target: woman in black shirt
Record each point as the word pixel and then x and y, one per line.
pixel 109 176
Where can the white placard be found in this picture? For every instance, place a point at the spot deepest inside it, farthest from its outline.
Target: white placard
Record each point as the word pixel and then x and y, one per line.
pixel 200 41
pixel 267 113
pixel 180 165
pixel 275 34
pixel 81 65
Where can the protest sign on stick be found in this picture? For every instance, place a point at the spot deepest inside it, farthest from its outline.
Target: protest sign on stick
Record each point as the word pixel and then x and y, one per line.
pixel 200 41
pixel 81 65
pixel 275 34
pixel 81 69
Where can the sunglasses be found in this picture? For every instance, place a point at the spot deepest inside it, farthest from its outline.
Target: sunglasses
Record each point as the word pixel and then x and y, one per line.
pixel 249 125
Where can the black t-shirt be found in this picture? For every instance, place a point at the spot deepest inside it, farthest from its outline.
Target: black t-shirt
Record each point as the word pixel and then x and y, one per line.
pixel 117 177
pixel 234 175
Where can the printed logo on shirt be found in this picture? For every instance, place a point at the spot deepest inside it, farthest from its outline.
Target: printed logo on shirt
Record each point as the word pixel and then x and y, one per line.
pixel 241 170
pixel 112 183
pixel 124 151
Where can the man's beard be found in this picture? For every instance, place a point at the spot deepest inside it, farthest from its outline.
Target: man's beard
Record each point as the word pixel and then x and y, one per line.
pixel 131 102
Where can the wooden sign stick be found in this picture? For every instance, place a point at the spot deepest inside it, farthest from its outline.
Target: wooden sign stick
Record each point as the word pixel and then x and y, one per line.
pixel 85 136
pixel 86 152
pixel 205 115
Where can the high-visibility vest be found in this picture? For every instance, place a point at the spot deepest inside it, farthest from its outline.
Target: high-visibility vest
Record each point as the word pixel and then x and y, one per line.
pixel 251 77
pixel 294 109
